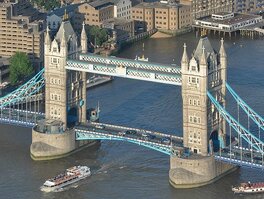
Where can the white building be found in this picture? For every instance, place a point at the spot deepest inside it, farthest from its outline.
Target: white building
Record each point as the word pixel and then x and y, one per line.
pixel 122 9
pixel 228 22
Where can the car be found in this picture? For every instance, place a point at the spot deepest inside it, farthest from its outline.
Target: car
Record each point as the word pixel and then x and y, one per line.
pixel 151 136
pixel 121 133
pixel 131 132
pixel 231 154
pixel 166 140
pixel 99 126
pixel 145 136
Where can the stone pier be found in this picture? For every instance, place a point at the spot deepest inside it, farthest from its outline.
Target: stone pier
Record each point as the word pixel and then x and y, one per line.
pixel 196 171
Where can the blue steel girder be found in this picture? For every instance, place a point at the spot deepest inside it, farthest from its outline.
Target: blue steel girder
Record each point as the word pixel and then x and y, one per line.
pixel 90 135
pixel 125 71
pixel 26 90
pixel 131 63
pixel 249 111
pixel 239 162
pixel 242 131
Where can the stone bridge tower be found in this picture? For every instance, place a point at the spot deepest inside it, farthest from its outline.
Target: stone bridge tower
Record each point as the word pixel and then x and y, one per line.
pixel 65 94
pixel 203 128
pixel 206 71
pixel 65 90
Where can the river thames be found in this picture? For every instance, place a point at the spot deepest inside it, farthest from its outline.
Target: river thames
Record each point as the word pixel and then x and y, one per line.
pixel 123 170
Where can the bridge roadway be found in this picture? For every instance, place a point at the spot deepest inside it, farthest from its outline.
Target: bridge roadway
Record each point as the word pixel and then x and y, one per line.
pixel 164 143
pixel 132 69
pixel 241 156
pixel 20 117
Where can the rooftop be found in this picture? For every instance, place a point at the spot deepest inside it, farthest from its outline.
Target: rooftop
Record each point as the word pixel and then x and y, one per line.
pixel 231 21
pixel 158 5
pixel 101 4
pixel 60 11
pixel 117 21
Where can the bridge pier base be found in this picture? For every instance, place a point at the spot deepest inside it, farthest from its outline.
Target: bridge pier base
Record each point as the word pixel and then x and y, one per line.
pixel 196 171
pixel 53 146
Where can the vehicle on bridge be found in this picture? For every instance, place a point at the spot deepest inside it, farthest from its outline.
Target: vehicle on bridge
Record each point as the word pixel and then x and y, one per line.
pixel 98 126
pixel 121 133
pixel 166 140
pixel 131 132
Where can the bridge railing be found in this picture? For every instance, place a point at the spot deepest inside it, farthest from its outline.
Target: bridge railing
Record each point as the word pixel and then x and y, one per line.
pixel 131 63
pixel 28 89
pixel 243 132
pixel 139 130
pixel 249 111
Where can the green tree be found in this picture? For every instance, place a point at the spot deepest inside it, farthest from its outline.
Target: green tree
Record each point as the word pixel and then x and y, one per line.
pixel 48 5
pixel 97 35
pixel 20 67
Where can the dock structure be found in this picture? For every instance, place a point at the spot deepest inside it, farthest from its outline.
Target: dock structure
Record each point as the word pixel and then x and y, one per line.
pixel 231 23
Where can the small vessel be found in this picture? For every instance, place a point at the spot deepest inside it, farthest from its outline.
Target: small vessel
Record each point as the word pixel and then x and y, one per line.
pixel 248 187
pixel 70 176
pixel 142 58
pixel 98 80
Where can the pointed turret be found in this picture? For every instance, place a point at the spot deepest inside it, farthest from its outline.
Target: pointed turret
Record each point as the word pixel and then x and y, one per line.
pixel 185 59
pixel 83 39
pixel 203 58
pixel 222 51
pixel 47 38
pixel 63 39
pixel 203 66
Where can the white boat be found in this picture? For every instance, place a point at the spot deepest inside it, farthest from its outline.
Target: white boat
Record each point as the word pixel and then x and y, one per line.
pixel 70 176
pixel 248 187
pixel 142 58
pixel 98 80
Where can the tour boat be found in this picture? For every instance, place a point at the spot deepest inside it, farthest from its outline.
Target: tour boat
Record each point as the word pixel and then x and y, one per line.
pixel 248 187
pixel 70 176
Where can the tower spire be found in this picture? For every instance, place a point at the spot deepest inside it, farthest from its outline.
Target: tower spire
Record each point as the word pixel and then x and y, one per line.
pixel 185 58
pixel 203 58
pixel 83 39
pixel 63 39
pixel 47 38
pixel 222 49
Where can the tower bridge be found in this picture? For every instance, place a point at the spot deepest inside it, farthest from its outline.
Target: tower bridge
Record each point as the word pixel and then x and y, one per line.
pixel 213 142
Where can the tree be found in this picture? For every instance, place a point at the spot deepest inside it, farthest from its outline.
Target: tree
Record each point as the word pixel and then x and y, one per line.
pixel 20 67
pixel 97 35
pixel 48 5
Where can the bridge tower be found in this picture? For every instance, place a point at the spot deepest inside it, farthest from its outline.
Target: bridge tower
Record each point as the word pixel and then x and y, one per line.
pixel 65 90
pixel 203 128
pixel 65 95
pixel 206 71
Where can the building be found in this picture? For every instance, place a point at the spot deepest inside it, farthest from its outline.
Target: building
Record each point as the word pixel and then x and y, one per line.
pixel 55 17
pixel 206 8
pixel 228 22
pixel 122 9
pixel 120 29
pixel 93 13
pixel 248 6
pixel 163 16
pixel 4 69
pixel 96 12
pixel 21 29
